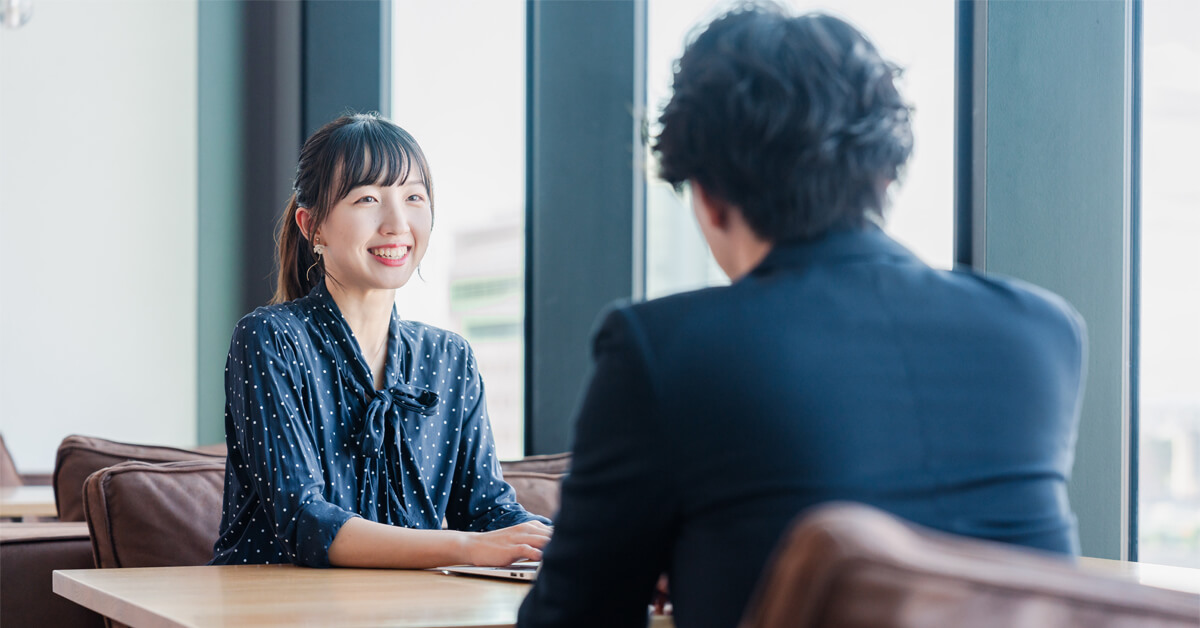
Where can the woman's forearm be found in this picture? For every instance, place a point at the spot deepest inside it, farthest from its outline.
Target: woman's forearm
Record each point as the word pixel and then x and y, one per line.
pixel 362 543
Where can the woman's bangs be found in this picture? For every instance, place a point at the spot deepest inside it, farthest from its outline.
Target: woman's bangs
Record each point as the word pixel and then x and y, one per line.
pixel 374 154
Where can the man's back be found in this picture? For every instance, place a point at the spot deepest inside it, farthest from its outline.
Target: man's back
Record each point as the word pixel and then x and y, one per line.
pixel 836 365
pixel 842 369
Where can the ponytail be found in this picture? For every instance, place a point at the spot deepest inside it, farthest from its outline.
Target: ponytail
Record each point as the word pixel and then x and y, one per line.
pixel 299 270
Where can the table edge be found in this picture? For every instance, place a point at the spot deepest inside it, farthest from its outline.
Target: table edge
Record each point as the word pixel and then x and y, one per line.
pixel 65 584
pixel 1154 575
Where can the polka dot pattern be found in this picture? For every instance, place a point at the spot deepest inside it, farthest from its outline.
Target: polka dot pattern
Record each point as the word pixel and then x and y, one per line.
pixel 312 443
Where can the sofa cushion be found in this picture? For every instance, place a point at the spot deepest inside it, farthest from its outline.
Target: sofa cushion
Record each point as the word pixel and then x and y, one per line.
pixel 155 515
pixel 80 456
pixel 854 566
pixel 29 554
pixel 539 493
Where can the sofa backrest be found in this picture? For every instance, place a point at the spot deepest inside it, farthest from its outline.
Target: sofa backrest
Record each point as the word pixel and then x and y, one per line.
pixel 154 515
pixel 539 493
pixel 852 565
pixel 80 456
pixel 549 463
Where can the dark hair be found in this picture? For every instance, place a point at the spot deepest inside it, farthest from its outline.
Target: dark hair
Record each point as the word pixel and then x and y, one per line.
pixel 354 150
pixel 794 120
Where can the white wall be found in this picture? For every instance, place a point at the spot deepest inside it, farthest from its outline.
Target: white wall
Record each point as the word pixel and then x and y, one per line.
pixel 98 225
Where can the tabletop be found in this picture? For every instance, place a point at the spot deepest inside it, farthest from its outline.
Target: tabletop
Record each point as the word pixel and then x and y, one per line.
pixel 27 501
pixel 285 595
pixel 1184 579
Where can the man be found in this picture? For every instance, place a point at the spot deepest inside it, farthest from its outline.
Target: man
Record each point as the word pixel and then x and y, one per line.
pixel 837 366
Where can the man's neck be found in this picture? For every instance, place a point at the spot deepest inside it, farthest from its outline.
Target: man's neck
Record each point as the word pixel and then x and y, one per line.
pixel 745 249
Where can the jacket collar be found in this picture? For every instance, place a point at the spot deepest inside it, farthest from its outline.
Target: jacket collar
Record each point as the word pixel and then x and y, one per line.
pixel 832 247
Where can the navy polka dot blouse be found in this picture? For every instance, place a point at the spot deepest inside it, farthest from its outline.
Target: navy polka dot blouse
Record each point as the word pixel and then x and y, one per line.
pixel 312 443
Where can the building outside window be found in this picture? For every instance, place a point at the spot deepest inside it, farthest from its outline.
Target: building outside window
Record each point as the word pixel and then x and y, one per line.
pixel 922 209
pixel 458 85
pixel 1169 360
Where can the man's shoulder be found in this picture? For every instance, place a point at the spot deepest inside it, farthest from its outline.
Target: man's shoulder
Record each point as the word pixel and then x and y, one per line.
pixel 1015 301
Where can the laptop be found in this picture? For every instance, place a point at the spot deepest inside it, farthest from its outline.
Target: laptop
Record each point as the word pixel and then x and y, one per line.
pixel 526 571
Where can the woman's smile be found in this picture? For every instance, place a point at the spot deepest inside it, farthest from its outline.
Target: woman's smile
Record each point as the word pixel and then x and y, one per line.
pixel 391 254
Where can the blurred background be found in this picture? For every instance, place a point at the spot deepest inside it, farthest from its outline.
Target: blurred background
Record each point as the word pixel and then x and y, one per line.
pixel 147 149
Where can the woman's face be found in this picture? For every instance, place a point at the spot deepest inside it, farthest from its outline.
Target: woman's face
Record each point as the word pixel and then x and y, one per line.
pixel 375 236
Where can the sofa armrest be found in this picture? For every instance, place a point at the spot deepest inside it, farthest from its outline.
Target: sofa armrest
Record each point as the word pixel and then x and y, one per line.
pixel 30 552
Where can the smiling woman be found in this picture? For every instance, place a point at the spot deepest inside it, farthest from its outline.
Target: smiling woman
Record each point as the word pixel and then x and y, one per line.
pixel 353 163
pixel 353 434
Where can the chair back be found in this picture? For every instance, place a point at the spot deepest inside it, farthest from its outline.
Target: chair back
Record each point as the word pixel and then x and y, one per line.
pixel 538 493
pixel 854 566
pixel 80 456
pixel 8 469
pixel 155 515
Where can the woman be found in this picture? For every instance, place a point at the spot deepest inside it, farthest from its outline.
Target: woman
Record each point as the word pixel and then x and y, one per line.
pixel 352 433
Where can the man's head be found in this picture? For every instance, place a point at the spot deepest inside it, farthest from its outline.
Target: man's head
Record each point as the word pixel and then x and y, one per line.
pixel 795 122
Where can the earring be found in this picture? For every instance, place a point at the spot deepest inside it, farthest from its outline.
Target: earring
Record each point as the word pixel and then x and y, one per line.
pixel 318 250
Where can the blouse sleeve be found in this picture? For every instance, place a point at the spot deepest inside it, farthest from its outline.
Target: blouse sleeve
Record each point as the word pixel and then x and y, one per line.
pixel 274 437
pixel 480 499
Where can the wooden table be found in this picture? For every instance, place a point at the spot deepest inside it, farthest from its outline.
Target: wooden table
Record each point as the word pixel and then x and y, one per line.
pixel 27 501
pixel 284 595
pixel 1162 576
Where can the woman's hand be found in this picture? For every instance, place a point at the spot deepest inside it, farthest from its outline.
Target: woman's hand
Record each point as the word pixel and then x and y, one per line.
pixel 508 545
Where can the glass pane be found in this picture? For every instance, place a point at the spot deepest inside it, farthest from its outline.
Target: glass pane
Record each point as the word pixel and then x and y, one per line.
pixel 1169 377
pixel 922 211
pixel 467 110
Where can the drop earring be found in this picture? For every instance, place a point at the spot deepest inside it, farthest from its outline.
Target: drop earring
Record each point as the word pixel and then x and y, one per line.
pixel 318 251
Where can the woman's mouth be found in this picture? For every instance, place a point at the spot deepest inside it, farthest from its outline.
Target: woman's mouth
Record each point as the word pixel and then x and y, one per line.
pixel 391 255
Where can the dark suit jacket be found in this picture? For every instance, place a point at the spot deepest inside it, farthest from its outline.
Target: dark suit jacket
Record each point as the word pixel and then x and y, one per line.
pixel 839 369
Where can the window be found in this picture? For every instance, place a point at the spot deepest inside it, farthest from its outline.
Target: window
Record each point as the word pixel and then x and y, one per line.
pixel 458 86
pixel 922 213
pixel 1169 360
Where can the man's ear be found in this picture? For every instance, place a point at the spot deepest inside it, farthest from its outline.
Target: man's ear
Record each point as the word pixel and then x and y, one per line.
pixel 715 209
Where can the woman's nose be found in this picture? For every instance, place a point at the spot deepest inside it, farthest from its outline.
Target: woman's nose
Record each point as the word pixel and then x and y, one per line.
pixel 395 221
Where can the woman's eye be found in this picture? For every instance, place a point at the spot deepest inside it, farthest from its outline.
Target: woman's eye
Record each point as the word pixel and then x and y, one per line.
pixel 368 199
pixel 416 198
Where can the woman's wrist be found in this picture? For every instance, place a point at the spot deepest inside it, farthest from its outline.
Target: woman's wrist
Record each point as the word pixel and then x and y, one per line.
pixel 458 546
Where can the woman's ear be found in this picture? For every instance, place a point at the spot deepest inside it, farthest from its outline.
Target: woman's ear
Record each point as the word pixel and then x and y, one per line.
pixel 304 221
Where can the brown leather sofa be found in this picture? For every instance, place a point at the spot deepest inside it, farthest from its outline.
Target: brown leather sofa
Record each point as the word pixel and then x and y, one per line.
pixel 9 475
pixel 80 456
pixel 554 464
pixel 29 553
pixel 539 493
pixel 852 566
pixel 154 515
pixel 537 481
